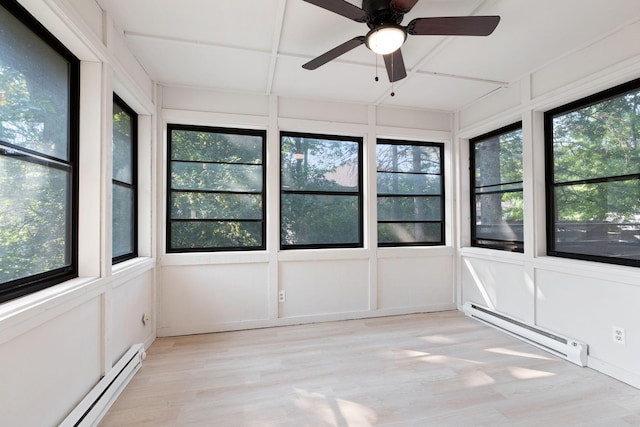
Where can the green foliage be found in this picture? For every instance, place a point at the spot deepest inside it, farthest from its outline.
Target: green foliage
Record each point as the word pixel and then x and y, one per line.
pixel 32 212
pixel 33 197
pixel 600 140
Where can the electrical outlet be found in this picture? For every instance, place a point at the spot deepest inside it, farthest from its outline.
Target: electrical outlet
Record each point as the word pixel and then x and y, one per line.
pixel 282 296
pixel 618 335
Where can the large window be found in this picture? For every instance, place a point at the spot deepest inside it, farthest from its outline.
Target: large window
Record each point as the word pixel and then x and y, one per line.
pixel 593 177
pixel 497 207
pixel 125 177
pixel 410 182
pixel 38 156
pixel 321 191
pixel 216 182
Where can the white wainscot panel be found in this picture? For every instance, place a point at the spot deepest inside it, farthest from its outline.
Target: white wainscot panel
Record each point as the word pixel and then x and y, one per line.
pixel 132 299
pixel 498 285
pixel 586 308
pixel 324 287
pixel 415 282
pixel 205 298
pixel 48 370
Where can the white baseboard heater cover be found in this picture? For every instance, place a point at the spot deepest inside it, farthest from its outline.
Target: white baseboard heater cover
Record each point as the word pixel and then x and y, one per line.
pixel 95 405
pixel 567 348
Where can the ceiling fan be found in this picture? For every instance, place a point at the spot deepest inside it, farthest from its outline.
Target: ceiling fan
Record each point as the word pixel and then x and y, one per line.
pixel 386 35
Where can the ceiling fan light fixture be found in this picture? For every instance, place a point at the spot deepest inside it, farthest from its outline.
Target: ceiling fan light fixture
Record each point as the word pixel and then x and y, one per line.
pixel 386 39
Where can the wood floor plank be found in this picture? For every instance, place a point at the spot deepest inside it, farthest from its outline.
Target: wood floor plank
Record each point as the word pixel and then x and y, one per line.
pixel 437 369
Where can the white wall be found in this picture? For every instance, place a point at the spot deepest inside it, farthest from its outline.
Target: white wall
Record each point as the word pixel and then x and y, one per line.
pixel 227 291
pixel 583 300
pixel 56 344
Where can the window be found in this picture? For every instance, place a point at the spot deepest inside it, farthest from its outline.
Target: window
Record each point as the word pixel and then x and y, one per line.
pixel 321 191
pixel 497 206
pixel 124 194
pixel 410 183
pixel 593 176
pixel 38 156
pixel 216 182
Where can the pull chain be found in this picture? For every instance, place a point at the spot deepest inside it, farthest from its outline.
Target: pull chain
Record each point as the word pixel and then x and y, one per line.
pixel 376 79
pixel 392 76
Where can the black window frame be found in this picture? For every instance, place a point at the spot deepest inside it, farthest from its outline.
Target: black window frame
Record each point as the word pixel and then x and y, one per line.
pixel 483 242
pixel 442 195
pixel 134 182
pixel 27 285
pixel 359 193
pixel 218 130
pixel 614 92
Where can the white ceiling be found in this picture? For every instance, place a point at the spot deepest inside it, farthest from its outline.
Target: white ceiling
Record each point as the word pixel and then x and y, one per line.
pixel 259 46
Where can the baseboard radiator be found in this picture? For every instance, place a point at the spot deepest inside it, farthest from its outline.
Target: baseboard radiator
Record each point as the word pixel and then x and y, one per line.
pixel 566 348
pixel 95 405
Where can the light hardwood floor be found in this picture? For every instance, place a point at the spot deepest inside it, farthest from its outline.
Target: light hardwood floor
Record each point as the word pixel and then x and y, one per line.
pixel 438 369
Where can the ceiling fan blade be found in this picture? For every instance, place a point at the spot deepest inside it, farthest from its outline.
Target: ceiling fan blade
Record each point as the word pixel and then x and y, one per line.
pixel 342 7
pixel 334 53
pixel 454 26
pixel 395 66
pixel 403 6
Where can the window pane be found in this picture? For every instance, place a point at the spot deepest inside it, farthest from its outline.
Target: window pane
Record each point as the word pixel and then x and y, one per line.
pixel 123 220
pixel 217 234
pixel 408 158
pixel 498 159
pixel 33 218
pixel 216 189
pixel 122 145
pixel 598 141
pixel 217 177
pixel 34 91
pixel 398 183
pixel 320 219
pixel 599 219
pixel 310 164
pixel 402 232
pixel 499 216
pixel 501 188
pixel 409 209
pixel 195 205
pixel 213 146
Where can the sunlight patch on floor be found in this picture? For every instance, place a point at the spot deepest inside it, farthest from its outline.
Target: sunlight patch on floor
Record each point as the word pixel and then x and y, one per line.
pixel 478 379
pixel 411 353
pixel 330 411
pixel 508 352
pixel 528 374
pixel 439 339
pixel 448 360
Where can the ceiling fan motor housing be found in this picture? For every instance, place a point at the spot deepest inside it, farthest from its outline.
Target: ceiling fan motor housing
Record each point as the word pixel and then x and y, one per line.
pixel 380 13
